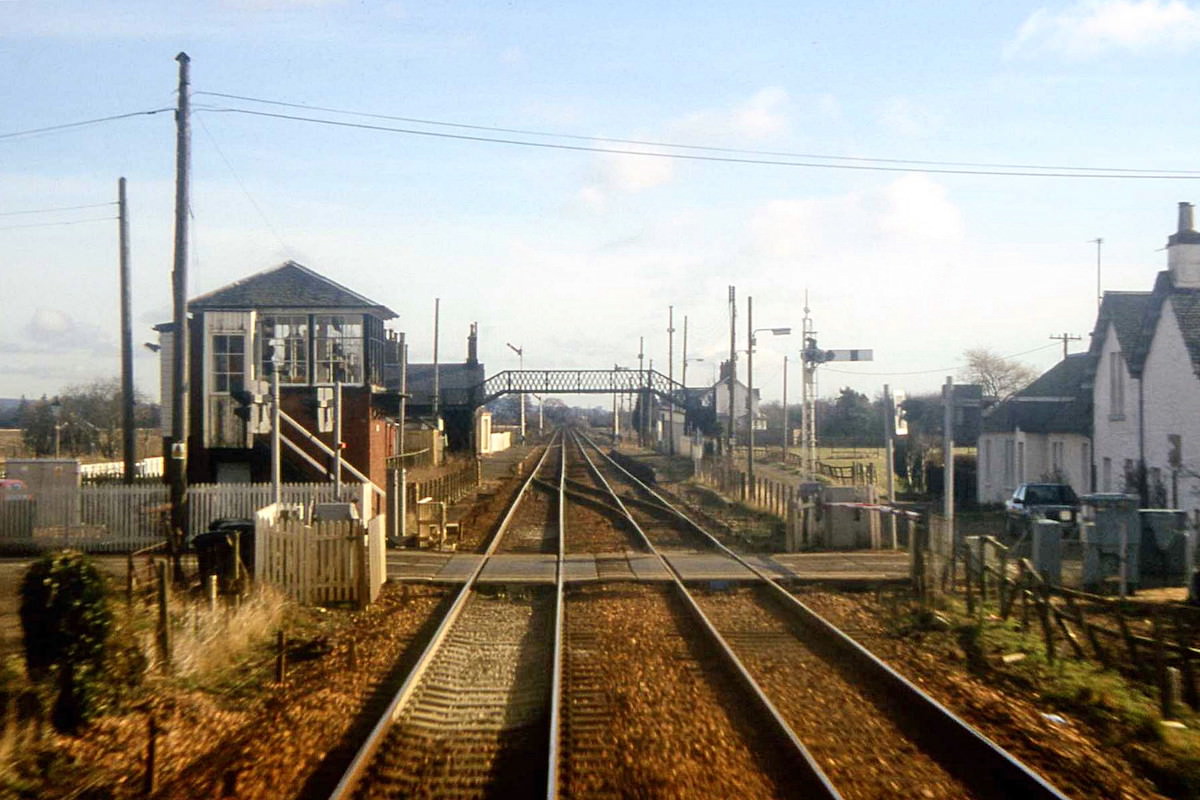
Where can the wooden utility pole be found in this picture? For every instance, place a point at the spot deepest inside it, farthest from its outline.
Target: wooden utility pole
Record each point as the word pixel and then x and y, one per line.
pixel 128 431
pixel 785 412
pixel 750 392
pixel 437 372
pixel 948 452
pixel 402 520
pixel 732 371
pixel 1064 338
pixel 179 368
pixel 671 376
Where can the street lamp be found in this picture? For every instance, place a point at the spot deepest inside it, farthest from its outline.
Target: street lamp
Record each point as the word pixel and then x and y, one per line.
pixel 750 385
pixel 520 351
pixel 56 413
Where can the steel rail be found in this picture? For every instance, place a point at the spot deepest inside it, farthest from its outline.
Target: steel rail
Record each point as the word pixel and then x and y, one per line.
pixel 812 778
pixel 966 752
pixel 366 752
pixel 555 725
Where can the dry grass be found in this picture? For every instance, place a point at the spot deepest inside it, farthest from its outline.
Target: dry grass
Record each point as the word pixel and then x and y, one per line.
pixel 209 640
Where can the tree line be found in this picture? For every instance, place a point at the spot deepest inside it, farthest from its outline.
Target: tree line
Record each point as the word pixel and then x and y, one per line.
pixel 87 418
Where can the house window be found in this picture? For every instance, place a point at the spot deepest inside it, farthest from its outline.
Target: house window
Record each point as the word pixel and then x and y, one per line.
pixel 338 347
pixel 228 362
pixel 1106 484
pixel 1116 386
pixel 1056 457
pixel 284 340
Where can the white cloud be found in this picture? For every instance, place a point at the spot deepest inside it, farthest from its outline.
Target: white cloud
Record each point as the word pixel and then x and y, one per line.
pixel 53 330
pixel 620 174
pixel 913 211
pixel 901 116
pixel 1091 27
pixel 512 56
pixel 761 116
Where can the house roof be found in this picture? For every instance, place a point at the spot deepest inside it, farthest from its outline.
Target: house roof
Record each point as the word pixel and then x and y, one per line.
pixel 289 285
pixel 1056 402
pixel 1125 311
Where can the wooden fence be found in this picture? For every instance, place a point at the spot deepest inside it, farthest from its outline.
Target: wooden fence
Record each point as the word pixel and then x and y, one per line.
pixel 316 563
pixel 448 488
pixel 809 522
pixel 1151 641
pixel 120 519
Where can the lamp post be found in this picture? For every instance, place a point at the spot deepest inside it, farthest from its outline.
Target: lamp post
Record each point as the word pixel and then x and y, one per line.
pixel 750 385
pixel 56 413
pixel 520 351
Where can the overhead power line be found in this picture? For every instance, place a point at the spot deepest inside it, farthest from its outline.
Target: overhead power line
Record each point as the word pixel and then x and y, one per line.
pixel 1111 174
pixel 50 224
pixel 1007 168
pixel 82 123
pixel 50 210
pixel 929 371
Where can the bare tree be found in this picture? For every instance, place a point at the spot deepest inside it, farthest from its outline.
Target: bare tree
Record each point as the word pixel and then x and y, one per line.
pixel 999 376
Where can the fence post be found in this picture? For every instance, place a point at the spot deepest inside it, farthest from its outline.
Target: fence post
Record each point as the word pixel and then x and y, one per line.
pixel 164 617
pixel 280 656
pixel 150 781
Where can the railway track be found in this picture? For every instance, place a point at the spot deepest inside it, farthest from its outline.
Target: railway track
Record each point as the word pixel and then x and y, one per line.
pixel 613 688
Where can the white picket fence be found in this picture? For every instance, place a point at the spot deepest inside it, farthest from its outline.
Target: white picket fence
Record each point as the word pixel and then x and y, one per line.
pixel 120 518
pixel 316 563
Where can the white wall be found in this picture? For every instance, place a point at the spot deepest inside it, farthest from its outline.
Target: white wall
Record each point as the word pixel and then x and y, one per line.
pixel 994 486
pixel 1114 432
pixel 1172 406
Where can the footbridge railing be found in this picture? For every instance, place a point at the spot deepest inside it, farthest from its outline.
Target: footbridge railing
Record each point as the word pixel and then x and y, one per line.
pixel 579 381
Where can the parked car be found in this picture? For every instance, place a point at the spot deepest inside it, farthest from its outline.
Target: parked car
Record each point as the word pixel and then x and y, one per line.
pixel 1032 501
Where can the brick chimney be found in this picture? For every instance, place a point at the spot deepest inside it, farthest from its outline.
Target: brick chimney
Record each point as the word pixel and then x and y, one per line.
pixel 1183 251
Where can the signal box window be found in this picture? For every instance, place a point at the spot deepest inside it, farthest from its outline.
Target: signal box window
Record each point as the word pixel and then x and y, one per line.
pixel 229 362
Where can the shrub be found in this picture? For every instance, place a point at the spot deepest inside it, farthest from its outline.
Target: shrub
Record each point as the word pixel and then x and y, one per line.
pixel 66 621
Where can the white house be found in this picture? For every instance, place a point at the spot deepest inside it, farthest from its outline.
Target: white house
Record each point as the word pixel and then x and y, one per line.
pixel 1041 433
pixel 1116 389
pixel 1147 415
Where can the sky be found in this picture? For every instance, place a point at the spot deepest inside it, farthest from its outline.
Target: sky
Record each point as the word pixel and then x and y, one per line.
pixel 768 146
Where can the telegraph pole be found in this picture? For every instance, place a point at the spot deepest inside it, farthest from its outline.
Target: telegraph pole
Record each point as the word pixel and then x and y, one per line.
pixel 732 371
pixel 179 367
pixel 683 377
pixel 750 394
pixel 1064 338
pixel 948 452
pixel 785 412
pixel 127 422
pixel 671 376
pixel 437 373
pixel 1099 292
pixel 402 522
pixel 642 391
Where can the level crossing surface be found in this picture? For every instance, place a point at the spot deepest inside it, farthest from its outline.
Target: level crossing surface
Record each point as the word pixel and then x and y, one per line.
pixel 840 567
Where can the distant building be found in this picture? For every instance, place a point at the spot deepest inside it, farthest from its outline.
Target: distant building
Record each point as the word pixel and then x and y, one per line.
pixel 1041 433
